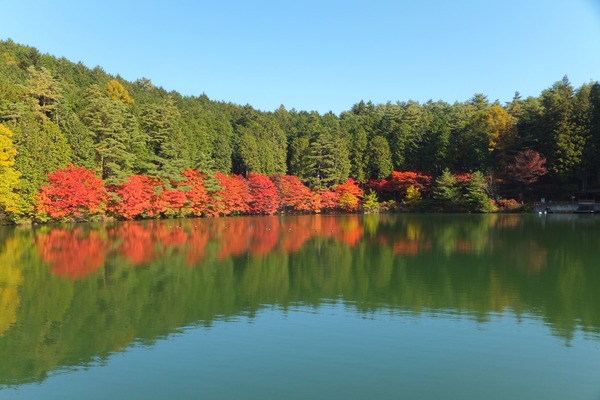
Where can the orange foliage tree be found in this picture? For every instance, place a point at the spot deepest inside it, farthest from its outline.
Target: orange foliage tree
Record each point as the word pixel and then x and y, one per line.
pixel 173 202
pixel 195 192
pixel 398 183
pixel 264 198
pixel 293 194
pixel 73 192
pixel 232 198
pixel 349 195
pixel 328 200
pixel 140 196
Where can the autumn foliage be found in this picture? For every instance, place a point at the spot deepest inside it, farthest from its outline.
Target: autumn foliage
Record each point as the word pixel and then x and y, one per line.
pixel 349 195
pixel 528 167
pixel 195 193
pixel 140 196
pixel 76 193
pixel 59 247
pixel 398 183
pixel 293 194
pixel 264 198
pixel 73 192
pixel 232 198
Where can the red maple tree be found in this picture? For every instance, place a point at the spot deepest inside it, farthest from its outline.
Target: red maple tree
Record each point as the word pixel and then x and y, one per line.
pixel 264 198
pixel 528 167
pixel 398 183
pixel 293 194
pixel 328 200
pixel 195 193
pixel 349 195
pixel 74 192
pixel 140 196
pixel 232 198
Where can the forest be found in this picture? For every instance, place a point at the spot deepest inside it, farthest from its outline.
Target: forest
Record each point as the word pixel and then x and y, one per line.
pixel 77 143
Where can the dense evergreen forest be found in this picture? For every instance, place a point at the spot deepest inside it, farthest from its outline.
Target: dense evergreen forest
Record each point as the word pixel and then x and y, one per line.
pixel 59 120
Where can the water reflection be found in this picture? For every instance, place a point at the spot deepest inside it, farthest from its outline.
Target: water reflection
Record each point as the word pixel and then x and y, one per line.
pixel 71 295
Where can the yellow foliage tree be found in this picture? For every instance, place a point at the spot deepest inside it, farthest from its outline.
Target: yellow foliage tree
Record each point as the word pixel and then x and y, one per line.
pixel 501 128
pixel 9 177
pixel 116 91
pixel 412 198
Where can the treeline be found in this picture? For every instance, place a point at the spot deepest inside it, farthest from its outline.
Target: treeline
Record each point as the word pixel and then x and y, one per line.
pixel 61 113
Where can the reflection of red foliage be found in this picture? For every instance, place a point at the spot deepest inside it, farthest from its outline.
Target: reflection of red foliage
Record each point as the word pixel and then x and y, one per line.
pixel 325 226
pixel 351 231
pixel 265 235
pixel 264 198
pixel 138 246
pixel 72 254
pixel 73 192
pixel 174 237
pixel 235 237
pixel 464 246
pixel 406 247
pixel 537 257
pixel 196 245
pixel 295 233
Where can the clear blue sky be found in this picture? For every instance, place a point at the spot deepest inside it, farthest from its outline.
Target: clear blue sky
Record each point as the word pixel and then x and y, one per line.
pixel 322 55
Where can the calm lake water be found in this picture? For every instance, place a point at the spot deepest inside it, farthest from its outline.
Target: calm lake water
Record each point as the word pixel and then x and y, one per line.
pixel 303 307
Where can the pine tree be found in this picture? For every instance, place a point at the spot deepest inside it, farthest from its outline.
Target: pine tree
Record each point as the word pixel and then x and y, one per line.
pixel 113 126
pixel 380 158
pixel 446 191
pixel 475 196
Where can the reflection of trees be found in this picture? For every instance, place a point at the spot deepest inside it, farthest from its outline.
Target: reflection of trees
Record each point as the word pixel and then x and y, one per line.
pixel 73 254
pixel 11 278
pixel 472 264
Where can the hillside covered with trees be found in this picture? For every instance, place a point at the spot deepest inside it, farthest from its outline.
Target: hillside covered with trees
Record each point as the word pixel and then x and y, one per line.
pixel 62 123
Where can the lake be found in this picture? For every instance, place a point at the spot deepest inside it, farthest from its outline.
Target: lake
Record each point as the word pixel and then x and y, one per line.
pixel 303 307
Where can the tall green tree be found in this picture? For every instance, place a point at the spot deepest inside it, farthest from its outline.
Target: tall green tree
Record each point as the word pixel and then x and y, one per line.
pixel 562 142
pixel 475 195
pixel 446 191
pixel 358 148
pixel 470 139
pixel 166 144
pixel 434 141
pixel 380 158
pixel 44 92
pixel 592 149
pixel 322 157
pixel 114 129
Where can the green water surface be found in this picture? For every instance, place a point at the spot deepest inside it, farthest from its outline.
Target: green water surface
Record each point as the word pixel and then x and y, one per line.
pixel 303 307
